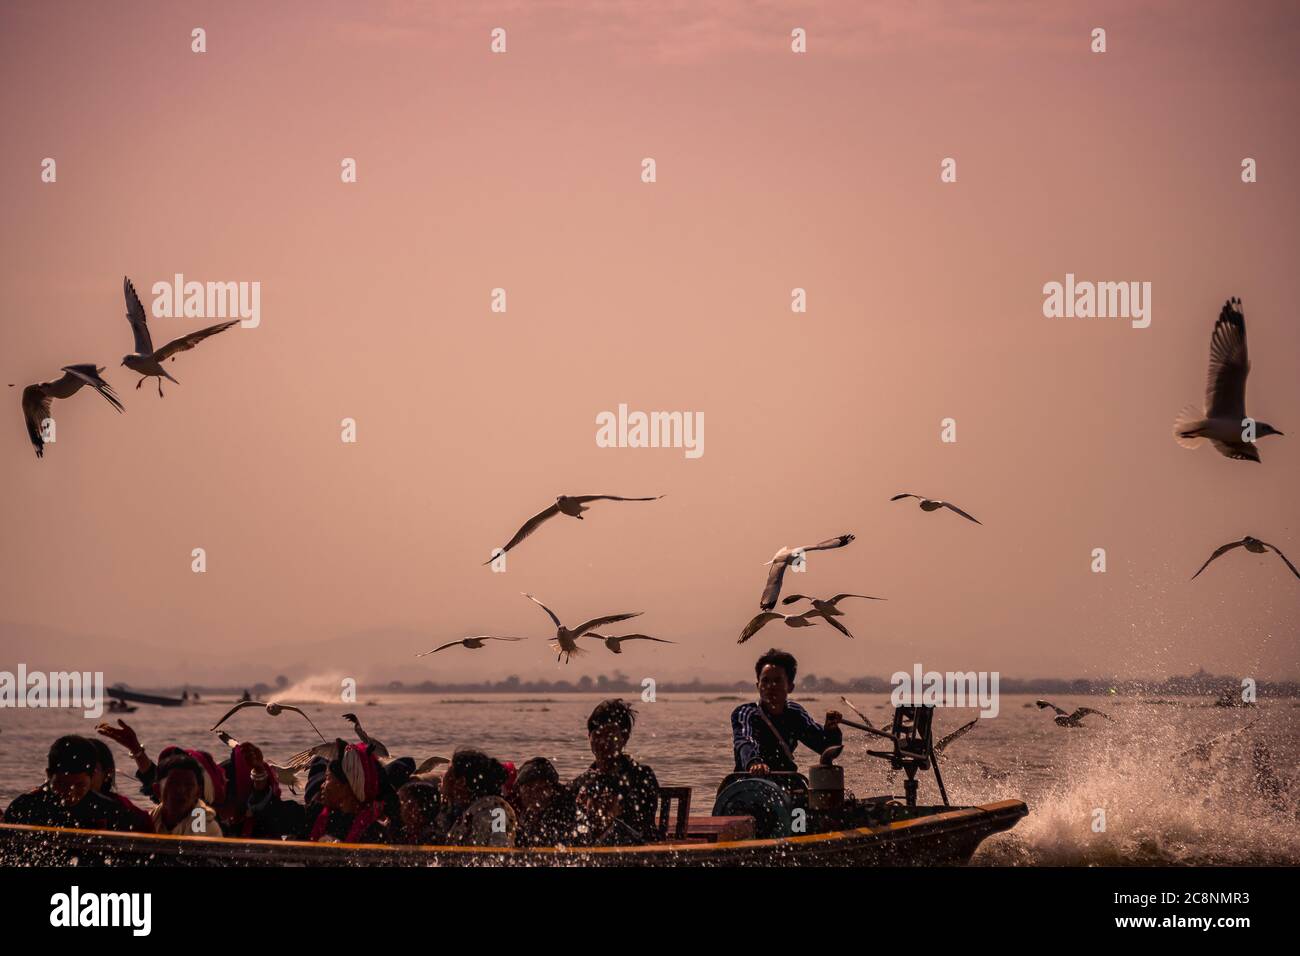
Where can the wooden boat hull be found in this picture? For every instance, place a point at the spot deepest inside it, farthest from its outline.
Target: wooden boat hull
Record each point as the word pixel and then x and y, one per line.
pixel 943 838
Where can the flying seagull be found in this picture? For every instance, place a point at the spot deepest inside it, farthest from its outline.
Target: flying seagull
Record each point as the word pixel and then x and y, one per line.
pixel 566 640
pixel 787 556
pixel 145 359
pixel 933 504
pixel 615 644
pixel 827 609
pixel 473 643
pixel 1253 545
pixel 945 741
pixel 273 709
pixel 287 776
pixel 1070 720
pixel 376 747
pixel 37 398
pixel 573 506
pixel 1223 418
pixel 760 619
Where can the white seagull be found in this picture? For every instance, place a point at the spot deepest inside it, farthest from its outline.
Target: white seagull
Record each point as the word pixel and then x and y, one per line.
pixel 760 619
pixel 566 640
pixel 933 504
pixel 1254 546
pixel 827 609
pixel 473 643
pixel 1223 420
pixel 37 398
pixel 145 359
pixel 1070 720
pixel 784 558
pixel 273 709
pixel 615 644
pixel 573 506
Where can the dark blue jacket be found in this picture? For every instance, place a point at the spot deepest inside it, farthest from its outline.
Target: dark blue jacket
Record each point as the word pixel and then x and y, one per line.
pixel 753 741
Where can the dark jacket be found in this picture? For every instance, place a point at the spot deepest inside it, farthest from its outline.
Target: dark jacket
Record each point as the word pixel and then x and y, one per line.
pixel 42 807
pixel 639 790
pixel 753 742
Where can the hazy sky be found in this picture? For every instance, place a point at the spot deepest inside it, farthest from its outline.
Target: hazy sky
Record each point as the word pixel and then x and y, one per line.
pixel 522 170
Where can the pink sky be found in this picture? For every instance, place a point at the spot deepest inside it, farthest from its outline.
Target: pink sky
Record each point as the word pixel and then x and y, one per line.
pixel 521 170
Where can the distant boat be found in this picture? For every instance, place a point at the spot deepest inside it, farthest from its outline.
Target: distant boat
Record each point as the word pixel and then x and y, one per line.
pixel 116 706
pixel 124 695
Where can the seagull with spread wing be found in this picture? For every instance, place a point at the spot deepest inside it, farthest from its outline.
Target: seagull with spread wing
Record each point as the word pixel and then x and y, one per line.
pixel 1254 546
pixel 566 639
pixel 827 609
pixel 762 618
pixel 784 558
pixel 933 504
pixel 615 644
pixel 37 398
pixel 146 360
pixel 573 506
pixel 273 709
pixel 1070 720
pixel 1223 420
pixel 473 643
pixel 376 747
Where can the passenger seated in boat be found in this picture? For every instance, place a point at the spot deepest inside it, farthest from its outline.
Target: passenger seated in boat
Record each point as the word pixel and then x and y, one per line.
pixel 68 798
pixel 765 734
pixel 418 804
pixel 181 809
pixel 351 799
pixel 617 797
pixel 547 810
pixel 103 780
pixel 474 813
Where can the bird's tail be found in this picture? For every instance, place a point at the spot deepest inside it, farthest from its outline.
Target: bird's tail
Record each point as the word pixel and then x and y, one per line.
pixel 1187 427
pixel 555 646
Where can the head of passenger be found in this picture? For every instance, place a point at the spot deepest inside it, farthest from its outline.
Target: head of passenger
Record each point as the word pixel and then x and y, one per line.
pixel 105 766
pixel 775 672
pixel 536 786
pixel 609 727
pixel 70 769
pixel 472 775
pixel 180 786
pixel 419 801
pixel 352 781
pixel 211 779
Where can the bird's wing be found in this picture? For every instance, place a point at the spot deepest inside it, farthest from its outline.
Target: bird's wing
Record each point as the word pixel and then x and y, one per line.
pixel 952 507
pixel 905 494
pixel 430 763
pixel 36 409
pixel 489 637
pixel 1239 451
pixel 848 703
pixel 529 526
pixel 838 626
pixel 938 748
pixel 838 541
pixel 758 620
pixel 583 499
pixel 840 597
pixel 228 740
pixel 135 315
pixel 236 709
pixel 546 609
pixel 1043 703
pixel 330 750
pixel 772 589
pixel 441 647
pixel 1085 711
pixel 644 637
pixel 1283 557
pixel 189 341
pixel 1225 385
pixel 90 375
pixel 602 621
pixel 1224 549
pixel 791 598
pixel 302 713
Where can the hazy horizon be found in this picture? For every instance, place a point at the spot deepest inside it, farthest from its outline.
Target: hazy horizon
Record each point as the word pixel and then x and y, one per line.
pixel 522 171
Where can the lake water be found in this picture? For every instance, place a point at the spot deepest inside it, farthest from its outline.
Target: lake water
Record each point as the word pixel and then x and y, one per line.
pixel 1158 808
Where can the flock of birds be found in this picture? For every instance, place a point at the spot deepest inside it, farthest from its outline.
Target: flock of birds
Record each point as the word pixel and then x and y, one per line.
pixel 146 360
